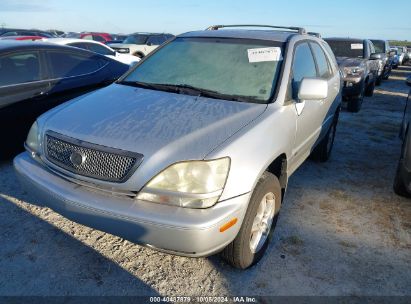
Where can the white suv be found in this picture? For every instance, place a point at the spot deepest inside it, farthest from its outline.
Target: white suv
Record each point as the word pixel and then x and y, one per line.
pixel 140 44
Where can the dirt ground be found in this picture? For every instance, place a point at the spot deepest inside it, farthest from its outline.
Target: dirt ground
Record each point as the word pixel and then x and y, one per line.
pixel 341 231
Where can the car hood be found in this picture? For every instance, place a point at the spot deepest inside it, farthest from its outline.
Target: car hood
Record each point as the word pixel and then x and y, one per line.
pixel 171 126
pixel 349 62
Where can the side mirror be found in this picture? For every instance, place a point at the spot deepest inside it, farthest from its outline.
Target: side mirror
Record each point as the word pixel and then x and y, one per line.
pixel 376 56
pixel 313 89
pixel 408 81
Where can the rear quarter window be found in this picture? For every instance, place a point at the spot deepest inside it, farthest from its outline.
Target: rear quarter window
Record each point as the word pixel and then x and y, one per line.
pixel 65 64
pixel 322 62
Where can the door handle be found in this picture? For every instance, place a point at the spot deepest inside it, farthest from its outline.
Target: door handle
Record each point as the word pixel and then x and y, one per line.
pixel 39 94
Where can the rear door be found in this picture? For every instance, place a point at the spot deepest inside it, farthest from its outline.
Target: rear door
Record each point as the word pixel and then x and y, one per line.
pixel 330 73
pixel 22 77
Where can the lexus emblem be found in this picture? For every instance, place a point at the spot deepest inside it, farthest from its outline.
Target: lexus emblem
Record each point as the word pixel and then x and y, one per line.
pixel 77 158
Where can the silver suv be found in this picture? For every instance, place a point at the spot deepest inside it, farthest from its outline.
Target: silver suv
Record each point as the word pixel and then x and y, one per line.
pixel 190 151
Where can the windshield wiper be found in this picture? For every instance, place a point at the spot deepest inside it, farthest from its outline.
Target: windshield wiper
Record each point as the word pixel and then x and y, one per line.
pixel 214 94
pixel 150 86
pixel 190 90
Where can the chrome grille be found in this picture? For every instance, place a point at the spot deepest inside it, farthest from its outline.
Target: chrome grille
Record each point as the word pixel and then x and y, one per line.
pixel 96 161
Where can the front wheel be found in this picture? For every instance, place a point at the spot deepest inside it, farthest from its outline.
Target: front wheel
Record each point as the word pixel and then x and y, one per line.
pixel 260 219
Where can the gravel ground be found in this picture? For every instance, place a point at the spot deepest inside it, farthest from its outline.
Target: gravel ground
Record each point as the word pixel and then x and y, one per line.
pixel 341 231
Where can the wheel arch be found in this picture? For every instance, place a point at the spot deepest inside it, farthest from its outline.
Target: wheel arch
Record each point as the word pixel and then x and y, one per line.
pixel 278 167
pixel 139 54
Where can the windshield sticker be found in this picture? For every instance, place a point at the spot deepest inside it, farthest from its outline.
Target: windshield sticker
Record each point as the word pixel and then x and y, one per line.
pixel 264 54
pixel 357 46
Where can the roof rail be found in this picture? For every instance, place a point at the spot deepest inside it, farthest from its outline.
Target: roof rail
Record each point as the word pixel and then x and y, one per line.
pixel 318 35
pixel 300 30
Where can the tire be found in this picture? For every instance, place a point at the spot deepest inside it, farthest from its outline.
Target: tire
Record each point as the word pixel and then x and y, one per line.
pixel 379 80
pixel 398 186
pixel 139 55
pixel 354 104
pixel 239 253
pixel 369 91
pixel 322 151
pixel 387 74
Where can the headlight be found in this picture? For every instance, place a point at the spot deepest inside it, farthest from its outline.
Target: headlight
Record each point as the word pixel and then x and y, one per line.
pixel 32 141
pixel 353 71
pixel 191 184
pixel 123 51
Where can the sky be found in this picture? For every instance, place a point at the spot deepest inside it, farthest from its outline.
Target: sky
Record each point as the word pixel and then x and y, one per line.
pixel 349 18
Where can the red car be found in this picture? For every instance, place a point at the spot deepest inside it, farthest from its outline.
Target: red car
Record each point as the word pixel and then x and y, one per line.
pixel 32 38
pixel 100 37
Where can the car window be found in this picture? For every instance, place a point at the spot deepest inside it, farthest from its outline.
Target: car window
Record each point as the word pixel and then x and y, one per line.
pixel 372 48
pixel 303 66
pixel 136 39
pixel 80 45
pixel 19 67
pixel 322 62
pixel 65 64
pixel 347 48
pixel 8 34
pixel 330 53
pixel 379 46
pixel 155 40
pixel 99 49
pixel 98 38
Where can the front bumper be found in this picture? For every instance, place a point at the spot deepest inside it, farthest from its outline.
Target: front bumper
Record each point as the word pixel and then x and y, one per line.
pixel 352 86
pixel 181 231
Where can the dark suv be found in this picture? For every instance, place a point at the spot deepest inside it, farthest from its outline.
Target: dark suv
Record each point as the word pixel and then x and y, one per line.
pixel 383 47
pixel 360 66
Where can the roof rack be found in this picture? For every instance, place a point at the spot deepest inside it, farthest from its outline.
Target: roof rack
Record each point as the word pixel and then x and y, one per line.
pixel 300 30
pixel 318 35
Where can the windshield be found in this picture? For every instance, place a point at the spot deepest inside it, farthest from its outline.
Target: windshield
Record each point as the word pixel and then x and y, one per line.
pixel 222 66
pixel 399 51
pixel 379 46
pixel 136 39
pixel 347 48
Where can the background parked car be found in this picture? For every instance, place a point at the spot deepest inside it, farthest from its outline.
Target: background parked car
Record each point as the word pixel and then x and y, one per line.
pixel 20 32
pixel 400 54
pixel 395 58
pixel 97 47
pixel 402 180
pixel 141 44
pixel 360 67
pixel 383 47
pixel 22 38
pixel 37 76
pixel 117 38
pixel 100 37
